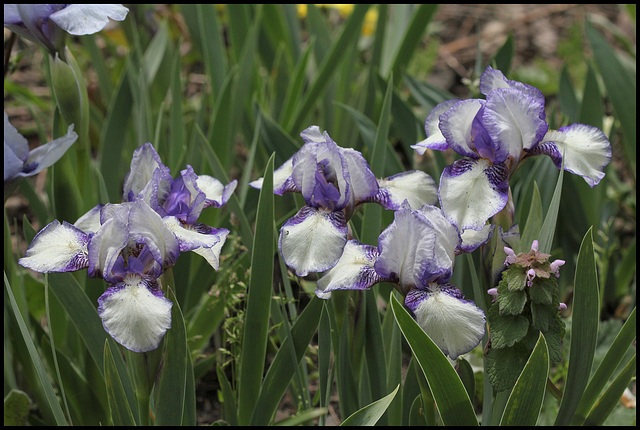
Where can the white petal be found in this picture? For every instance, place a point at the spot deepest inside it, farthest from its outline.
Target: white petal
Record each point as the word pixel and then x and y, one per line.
pixel 106 245
pixel 363 183
pixel 454 324
pixel 203 240
pixel 417 248
pixel 414 186
pixel 586 151
pixel 282 181
pixel 217 194
pixel 354 270
pixel 472 239
pixel 46 155
pixel 147 226
pixel 435 139
pixel 515 122
pixel 473 191
pixel 134 314
pixel 57 248
pixel 90 222
pixel 81 19
pixel 313 240
pixel 456 124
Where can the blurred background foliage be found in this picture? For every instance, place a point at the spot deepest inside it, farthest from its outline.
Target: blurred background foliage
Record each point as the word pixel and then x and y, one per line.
pixel 223 87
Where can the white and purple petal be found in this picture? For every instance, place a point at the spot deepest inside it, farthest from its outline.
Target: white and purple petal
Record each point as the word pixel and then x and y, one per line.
pixel 435 139
pixel 417 248
pixel 514 121
pixel 454 324
pixel 457 124
pixel 586 149
pixel 106 245
pixel 147 178
pixel 313 240
pixel 90 221
pixel 46 155
pixel 473 239
pixel 200 238
pixel 354 271
pixel 146 226
pixel 217 195
pixel 135 313
pixel 492 79
pixel 57 248
pixel 282 180
pixel 362 181
pixel 414 186
pixel 472 191
pixel 81 19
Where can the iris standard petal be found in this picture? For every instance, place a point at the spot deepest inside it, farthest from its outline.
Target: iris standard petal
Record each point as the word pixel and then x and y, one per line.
pixel 106 245
pixel 472 191
pixel 586 151
pixel 145 225
pixel 435 139
pixel 514 121
pixel 282 180
pixel 363 183
pixel 414 251
pixel 81 19
pixel 16 142
pixel 313 240
pixel 456 125
pixel 147 177
pixel 354 271
pixel 135 313
pixel 493 79
pixel 414 186
pixel 216 194
pixel 454 324
pixel 57 248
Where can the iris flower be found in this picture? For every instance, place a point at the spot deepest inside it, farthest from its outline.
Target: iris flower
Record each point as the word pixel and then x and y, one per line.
pixel 493 136
pixel 333 182
pixel 49 24
pixel 131 244
pixel 417 253
pixel 19 161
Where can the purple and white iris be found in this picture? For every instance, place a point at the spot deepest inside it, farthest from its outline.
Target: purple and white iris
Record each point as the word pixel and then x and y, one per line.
pixel 333 182
pixel 19 161
pixel 417 253
pixel 131 244
pixel 48 24
pixel 494 135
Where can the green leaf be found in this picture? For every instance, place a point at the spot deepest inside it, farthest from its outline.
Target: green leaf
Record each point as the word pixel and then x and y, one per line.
pixel 285 362
pixel 584 332
pixel 170 389
pixel 525 401
pixel 620 84
pixel 119 409
pixel 545 239
pixel 370 414
pixel 506 330
pixel 16 408
pixel 504 57
pixel 449 393
pixel 256 324
pixel 511 302
pixel 607 367
pixel 608 401
pixel 505 365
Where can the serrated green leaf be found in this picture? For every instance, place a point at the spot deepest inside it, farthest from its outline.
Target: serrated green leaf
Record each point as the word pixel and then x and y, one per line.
pixel 511 302
pixel 448 391
pixel 543 290
pixel 16 408
pixel 525 401
pixel 506 330
pixel 505 365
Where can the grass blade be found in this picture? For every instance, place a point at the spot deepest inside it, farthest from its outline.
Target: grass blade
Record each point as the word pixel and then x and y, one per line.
pixel 584 336
pixel 448 391
pixel 370 414
pixel 256 324
pixel 119 409
pixel 43 377
pixel 525 401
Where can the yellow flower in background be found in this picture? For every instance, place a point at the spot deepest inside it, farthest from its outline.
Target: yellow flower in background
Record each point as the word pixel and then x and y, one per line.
pixel 370 20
